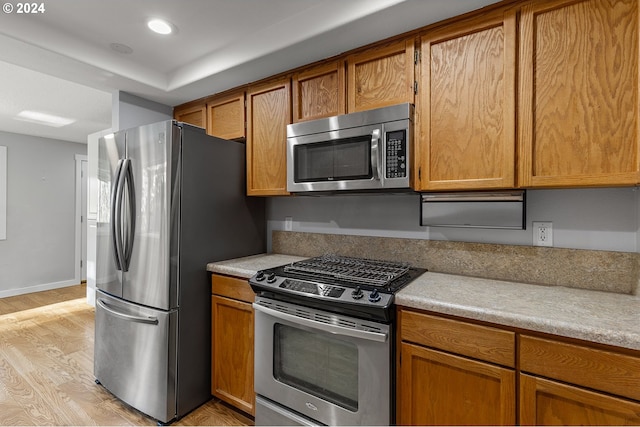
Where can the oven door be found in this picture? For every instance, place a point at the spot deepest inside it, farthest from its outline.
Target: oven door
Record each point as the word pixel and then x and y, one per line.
pixel 333 369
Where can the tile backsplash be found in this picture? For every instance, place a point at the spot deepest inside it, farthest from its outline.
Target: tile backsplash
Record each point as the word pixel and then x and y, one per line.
pixel 586 269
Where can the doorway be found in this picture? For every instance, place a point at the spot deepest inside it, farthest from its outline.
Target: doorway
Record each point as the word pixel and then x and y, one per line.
pixel 81 218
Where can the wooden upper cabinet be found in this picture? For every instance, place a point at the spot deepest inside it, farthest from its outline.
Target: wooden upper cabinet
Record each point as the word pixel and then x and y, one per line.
pixel 381 76
pixel 319 92
pixel 195 115
pixel 226 116
pixel 268 114
pixel 466 106
pixel 578 108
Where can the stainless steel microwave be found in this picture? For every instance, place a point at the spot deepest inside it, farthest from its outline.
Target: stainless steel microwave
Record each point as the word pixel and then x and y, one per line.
pixel 368 150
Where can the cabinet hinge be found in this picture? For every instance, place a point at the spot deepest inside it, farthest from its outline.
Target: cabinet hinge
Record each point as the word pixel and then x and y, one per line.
pixel 415 87
pixel 416 57
pixel 420 174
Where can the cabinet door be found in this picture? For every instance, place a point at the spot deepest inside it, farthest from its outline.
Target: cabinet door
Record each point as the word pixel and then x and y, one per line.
pixel 381 76
pixel 268 114
pixel 195 115
pixel 544 402
pixel 226 116
pixel 232 352
pixel 467 105
pixel 437 388
pixel 319 92
pixel 578 104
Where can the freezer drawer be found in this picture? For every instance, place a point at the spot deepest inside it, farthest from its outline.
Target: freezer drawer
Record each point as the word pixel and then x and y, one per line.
pixel 135 355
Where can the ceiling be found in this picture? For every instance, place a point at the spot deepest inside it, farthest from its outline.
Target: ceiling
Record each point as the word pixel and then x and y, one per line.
pixel 61 61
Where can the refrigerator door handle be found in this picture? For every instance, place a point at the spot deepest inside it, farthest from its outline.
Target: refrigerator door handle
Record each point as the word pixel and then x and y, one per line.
pixel 141 319
pixel 115 215
pixel 131 221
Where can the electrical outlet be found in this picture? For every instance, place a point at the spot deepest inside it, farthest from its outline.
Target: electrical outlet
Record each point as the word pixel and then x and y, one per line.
pixel 543 233
pixel 288 223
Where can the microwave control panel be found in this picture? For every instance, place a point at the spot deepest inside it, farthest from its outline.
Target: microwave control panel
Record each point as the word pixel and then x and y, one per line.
pixel 396 160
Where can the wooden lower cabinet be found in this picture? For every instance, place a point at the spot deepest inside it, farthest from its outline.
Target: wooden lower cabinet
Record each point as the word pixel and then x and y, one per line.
pixel 454 372
pixel 438 388
pixel 545 402
pixel 232 342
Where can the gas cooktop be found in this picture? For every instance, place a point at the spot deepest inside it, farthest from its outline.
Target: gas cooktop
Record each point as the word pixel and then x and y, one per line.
pixel 356 286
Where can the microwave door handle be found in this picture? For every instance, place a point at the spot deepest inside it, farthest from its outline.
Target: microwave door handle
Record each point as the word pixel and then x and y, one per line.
pixel 375 154
pixel 334 329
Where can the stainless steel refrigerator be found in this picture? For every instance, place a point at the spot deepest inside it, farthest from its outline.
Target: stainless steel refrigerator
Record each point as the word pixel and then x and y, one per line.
pixel 172 199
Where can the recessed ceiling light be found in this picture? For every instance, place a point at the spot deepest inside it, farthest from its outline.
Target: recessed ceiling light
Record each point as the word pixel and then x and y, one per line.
pixel 160 26
pixel 43 118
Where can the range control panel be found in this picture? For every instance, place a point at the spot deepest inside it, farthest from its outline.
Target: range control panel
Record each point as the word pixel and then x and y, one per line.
pixel 396 156
pixel 270 281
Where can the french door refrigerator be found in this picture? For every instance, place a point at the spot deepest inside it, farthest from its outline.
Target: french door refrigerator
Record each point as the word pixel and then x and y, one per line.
pixel 172 199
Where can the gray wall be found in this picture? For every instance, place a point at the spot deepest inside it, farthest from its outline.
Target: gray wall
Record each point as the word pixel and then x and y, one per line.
pixel 39 252
pixel 129 111
pixel 599 219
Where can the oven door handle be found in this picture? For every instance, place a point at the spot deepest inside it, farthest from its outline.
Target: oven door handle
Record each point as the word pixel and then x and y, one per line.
pixel 334 329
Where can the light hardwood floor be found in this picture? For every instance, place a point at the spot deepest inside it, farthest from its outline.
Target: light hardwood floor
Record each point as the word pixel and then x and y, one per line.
pixel 46 368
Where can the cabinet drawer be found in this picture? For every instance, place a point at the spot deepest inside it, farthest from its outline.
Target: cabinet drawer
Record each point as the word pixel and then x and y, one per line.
pixel 544 402
pixel 232 287
pixel 589 367
pixel 476 341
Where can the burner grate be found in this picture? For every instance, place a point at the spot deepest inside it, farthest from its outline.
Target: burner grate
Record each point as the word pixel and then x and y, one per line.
pixel 354 270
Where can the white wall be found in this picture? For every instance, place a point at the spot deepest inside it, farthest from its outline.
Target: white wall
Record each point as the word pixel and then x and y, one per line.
pixel 597 219
pixel 38 253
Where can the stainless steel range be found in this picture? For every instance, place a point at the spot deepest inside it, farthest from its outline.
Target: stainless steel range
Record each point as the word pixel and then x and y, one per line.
pixel 324 341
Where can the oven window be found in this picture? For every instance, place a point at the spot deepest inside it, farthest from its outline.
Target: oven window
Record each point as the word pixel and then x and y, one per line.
pixel 317 364
pixel 342 159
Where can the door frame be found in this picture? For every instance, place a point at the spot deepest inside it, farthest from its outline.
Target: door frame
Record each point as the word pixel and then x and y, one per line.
pixel 78 212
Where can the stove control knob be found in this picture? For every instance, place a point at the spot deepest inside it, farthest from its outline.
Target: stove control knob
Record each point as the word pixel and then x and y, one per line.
pixel 271 278
pixel 260 276
pixel 374 296
pixel 357 293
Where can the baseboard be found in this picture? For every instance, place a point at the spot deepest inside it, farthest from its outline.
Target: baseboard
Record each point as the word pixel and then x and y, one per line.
pixel 37 288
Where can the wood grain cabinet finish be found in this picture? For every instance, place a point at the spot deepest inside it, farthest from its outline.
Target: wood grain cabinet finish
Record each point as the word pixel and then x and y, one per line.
pixel 479 342
pixel 319 91
pixel 438 388
pixel 467 105
pixel 608 371
pixel 545 402
pixel 381 76
pixel 447 375
pixel 226 116
pixel 578 93
pixel 232 342
pixel 268 114
pixel 195 115
pixel 440 380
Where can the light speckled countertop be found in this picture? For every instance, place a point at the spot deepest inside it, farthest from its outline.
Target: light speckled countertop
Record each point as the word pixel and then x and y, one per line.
pixel 248 266
pixel 602 317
